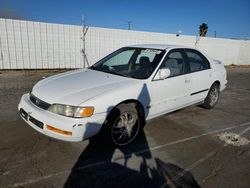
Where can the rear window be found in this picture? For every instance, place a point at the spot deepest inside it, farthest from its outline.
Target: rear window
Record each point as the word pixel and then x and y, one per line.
pixel 197 61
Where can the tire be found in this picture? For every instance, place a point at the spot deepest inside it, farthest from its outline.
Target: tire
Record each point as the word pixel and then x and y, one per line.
pixel 122 125
pixel 212 97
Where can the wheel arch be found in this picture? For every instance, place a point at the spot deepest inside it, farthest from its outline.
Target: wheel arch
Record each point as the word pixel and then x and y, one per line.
pixel 216 82
pixel 138 105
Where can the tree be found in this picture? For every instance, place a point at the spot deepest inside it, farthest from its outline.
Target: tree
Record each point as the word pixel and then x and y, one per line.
pixel 203 29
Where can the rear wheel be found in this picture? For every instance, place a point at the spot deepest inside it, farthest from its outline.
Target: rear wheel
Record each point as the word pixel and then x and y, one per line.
pixel 212 96
pixel 123 124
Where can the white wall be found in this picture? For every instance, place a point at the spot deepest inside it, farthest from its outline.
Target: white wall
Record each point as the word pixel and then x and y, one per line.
pixel 37 45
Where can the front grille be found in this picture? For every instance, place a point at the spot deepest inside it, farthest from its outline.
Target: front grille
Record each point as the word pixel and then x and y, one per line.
pixel 36 122
pixel 39 102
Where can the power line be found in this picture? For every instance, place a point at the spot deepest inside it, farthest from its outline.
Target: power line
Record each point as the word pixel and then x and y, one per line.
pixel 109 26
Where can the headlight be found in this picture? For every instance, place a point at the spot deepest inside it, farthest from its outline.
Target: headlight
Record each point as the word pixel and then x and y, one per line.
pixel 71 111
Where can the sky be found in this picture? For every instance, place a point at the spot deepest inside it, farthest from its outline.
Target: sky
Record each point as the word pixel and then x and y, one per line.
pixel 228 18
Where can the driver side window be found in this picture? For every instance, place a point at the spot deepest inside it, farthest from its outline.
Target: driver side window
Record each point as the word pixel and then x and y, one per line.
pixel 174 62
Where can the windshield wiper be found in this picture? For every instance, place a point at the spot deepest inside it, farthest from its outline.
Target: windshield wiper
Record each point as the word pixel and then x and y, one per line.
pixel 93 68
pixel 111 72
pixel 118 73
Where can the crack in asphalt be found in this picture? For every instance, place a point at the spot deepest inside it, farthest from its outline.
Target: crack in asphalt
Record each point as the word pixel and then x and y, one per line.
pixel 33 161
pixel 213 174
pixel 184 171
pixel 219 168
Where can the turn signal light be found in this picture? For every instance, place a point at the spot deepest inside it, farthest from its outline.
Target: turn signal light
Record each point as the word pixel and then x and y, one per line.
pixel 68 133
pixel 87 111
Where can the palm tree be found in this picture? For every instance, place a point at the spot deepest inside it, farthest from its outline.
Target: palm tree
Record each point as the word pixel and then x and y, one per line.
pixel 203 29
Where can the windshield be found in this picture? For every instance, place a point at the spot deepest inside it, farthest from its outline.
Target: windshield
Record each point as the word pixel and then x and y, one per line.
pixel 130 62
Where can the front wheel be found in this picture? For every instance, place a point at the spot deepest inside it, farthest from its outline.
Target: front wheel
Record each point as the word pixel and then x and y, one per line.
pixel 123 124
pixel 212 96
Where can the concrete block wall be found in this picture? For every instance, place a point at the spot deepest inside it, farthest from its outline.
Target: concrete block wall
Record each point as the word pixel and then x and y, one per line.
pixel 39 45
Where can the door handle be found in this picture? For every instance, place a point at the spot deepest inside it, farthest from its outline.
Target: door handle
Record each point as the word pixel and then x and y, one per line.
pixel 187 80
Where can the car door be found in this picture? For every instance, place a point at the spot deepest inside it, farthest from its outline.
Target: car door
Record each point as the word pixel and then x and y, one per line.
pixel 200 75
pixel 173 92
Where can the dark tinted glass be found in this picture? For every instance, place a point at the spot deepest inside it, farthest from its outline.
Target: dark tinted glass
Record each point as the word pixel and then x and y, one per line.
pixel 197 61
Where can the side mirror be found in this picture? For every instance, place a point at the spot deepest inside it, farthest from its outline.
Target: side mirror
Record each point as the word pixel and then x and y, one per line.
pixel 162 74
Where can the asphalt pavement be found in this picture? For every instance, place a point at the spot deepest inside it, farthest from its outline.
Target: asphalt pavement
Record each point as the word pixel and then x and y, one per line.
pixel 192 147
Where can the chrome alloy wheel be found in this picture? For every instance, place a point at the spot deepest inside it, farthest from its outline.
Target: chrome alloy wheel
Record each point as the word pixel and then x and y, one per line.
pixel 213 96
pixel 125 128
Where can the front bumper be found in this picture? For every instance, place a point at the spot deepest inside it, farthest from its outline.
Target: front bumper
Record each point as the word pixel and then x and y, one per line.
pixel 37 118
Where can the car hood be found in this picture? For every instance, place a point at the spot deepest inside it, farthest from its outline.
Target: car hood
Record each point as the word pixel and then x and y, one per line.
pixel 76 87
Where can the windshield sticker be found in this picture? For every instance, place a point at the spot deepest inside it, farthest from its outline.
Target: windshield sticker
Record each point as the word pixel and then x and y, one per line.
pixel 152 51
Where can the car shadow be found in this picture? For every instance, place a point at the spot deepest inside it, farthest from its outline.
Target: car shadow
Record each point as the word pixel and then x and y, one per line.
pixel 102 164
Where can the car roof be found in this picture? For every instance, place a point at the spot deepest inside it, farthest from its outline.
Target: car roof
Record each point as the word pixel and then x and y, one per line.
pixel 158 46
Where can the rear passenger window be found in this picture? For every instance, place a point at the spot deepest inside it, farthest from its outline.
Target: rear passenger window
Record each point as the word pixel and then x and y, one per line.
pixel 197 61
pixel 175 63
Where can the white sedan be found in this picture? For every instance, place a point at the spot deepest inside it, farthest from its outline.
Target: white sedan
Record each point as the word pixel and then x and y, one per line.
pixel 118 93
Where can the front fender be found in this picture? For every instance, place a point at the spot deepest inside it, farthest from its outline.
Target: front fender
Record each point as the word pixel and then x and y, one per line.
pixel 107 101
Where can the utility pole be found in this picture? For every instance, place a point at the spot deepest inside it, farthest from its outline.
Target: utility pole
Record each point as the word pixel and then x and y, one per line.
pixel 129 25
pixel 84 31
